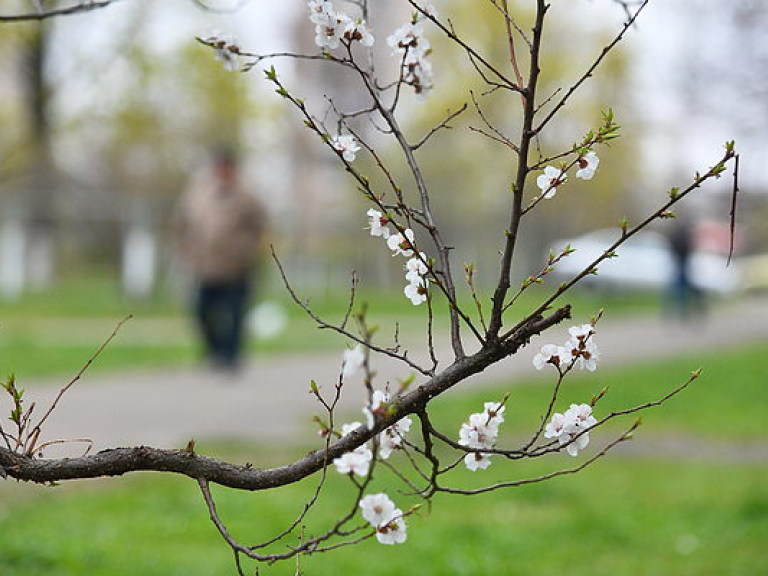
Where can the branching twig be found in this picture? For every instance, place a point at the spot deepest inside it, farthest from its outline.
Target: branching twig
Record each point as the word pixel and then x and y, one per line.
pixel 626 233
pixel 527 134
pixel 734 194
pixel 79 8
pixel 496 134
pixel 471 52
pixel 340 330
pixel 588 74
pixel 29 447
pixel 442 125
pixel 515 483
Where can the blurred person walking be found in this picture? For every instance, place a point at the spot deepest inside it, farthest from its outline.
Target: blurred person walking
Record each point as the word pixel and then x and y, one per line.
pixel 220 228
pixel 685 298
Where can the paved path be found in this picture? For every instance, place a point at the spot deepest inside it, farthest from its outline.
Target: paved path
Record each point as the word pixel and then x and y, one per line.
pixel 269 400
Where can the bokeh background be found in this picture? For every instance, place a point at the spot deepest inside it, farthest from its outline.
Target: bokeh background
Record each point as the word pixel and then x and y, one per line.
pixel 106 115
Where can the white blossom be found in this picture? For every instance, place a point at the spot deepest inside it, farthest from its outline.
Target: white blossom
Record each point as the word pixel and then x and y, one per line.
pixel 588 356
pixel 495 412
pixel 226 50
pixel 477 461
pixel 328 34
pixel 405 37
pixel 581 333
pixel 582 415
pixel 582 346
pixel 416 271
pixel 483 430
pixel 394 531
pixel 416 268
pixel 380 512
pixel 550 180
pixel 377 407
pixel 402 243
pixel 416 293
pixel 580 350
pixel 571 427
pixel 320 11
pixel 556 426
pixel 551 354
pixel 377 223
pixel 346 145
pixel 578 444
pixel 377 508
pixel 357 461
pixel 408 43
pixel 470 437
pixel 480 433
pixel 349 427
pixel 587 165
pixel 353 359
pixel 332 27
pixel 359 32
pixel 392 438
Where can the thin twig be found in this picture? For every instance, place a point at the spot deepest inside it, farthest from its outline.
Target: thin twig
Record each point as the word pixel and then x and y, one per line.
pixel 627 233
pixel 442 125
pixel 514 483
pixel 507 83
pixel 86 6
pixel 497 135
pixel 35 432
pixel 518 189
pixel 508 22
pixel 588 74
pixel 734 194
pixel 346 333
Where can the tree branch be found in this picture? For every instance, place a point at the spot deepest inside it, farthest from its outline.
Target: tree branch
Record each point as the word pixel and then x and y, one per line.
pixel 40 15
pixel 119 461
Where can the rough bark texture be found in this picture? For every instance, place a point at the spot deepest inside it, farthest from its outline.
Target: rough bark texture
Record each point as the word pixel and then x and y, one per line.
pixel 119 461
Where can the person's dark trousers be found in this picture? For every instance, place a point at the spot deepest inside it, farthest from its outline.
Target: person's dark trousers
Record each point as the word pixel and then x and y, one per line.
pixel 220 310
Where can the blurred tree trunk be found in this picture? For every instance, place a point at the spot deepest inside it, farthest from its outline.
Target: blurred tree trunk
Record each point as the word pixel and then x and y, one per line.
pixel 40 187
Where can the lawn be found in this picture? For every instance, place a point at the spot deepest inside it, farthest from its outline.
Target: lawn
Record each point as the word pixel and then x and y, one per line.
pixel 633 514
pixel 56 331
pixel 622 517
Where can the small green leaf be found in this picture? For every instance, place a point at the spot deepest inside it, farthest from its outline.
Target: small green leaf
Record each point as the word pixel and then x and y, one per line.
pixel 406 382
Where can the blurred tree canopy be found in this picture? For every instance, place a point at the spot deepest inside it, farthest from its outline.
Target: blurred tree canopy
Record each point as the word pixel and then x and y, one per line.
pixel 132 109
pixel 114 116
pixel 467 168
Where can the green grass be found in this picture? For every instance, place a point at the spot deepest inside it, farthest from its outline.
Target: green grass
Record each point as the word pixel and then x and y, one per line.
pixel 56 331
pixel 624 516
pixel 728 401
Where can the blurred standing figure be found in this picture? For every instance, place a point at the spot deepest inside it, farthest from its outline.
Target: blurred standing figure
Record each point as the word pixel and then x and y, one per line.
pixel 685 298
pixel 220 230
